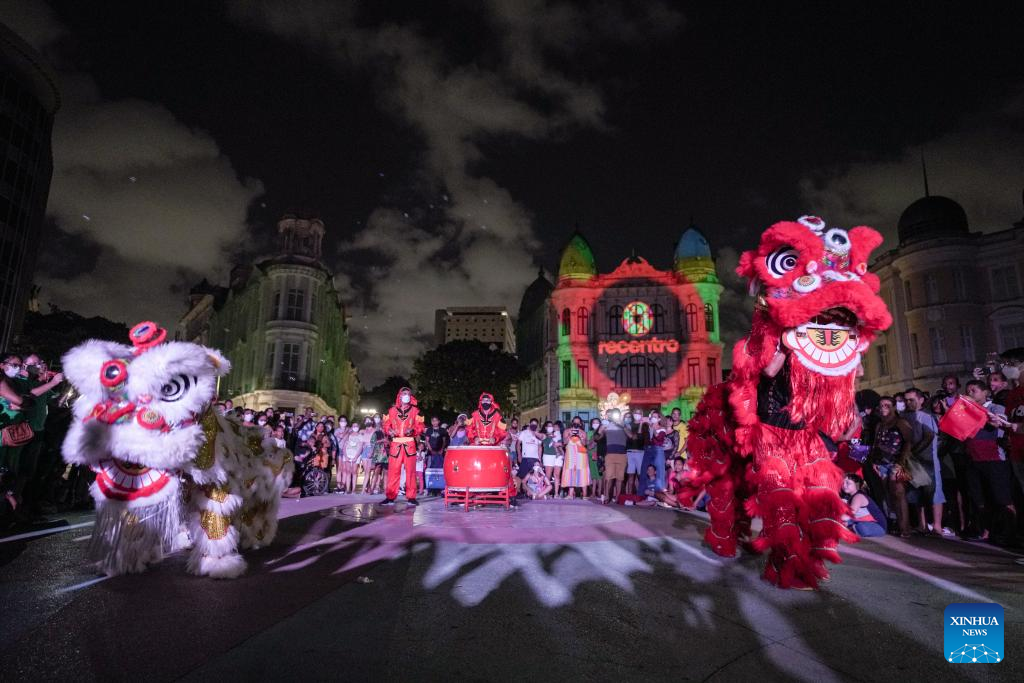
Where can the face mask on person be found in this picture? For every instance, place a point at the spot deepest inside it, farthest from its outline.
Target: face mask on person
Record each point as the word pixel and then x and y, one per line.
pixel 486 404
pixel 549 429
pixel 533 427
pixel 279 442
pixel 406 398
pixel 461 432
pixel 595 425
pixel 901 406
pixel 637 416
pixel 12 370
pixel 262 421
pixel 247 417
pixel 1011 372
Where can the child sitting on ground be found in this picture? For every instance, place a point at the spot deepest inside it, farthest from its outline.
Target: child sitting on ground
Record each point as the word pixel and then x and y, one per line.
pixel 677 480
pixel 537 485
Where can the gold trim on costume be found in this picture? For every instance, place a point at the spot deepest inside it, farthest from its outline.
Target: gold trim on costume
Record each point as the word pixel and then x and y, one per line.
pixel 215 525
pixel 204 456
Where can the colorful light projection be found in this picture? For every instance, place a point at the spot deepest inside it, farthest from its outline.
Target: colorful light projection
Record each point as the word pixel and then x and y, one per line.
pixel 678 336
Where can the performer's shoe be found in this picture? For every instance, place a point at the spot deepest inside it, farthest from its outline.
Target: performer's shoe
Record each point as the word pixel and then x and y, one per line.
pixel 412 501
pixel 387 501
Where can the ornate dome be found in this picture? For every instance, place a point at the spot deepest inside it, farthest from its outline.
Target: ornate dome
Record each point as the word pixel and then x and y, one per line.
pixel 692 261
pixel 577 262
pixel 930 217
pixel 535 295
pixel 693 244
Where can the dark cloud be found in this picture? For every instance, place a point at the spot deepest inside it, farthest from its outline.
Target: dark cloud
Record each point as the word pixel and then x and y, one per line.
pixel 980 164
pixel 472 242
pixel 151 202
pixel 736 306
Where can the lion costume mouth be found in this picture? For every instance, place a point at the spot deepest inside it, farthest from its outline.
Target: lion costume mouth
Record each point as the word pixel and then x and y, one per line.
pixel 828 344
pixel 129 482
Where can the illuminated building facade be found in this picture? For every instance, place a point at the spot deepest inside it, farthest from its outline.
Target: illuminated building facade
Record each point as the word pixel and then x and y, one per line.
pixel 28 101
pixel 650 333
pixel 955 296
pixel 489 324
pixel 282 324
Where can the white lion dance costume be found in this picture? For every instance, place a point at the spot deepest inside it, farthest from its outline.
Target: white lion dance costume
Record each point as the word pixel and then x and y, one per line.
pixel 170 471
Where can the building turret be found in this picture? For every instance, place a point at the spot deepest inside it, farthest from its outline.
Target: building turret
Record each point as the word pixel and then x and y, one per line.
pixel 300 237
pixel 577 262
pixel 693 262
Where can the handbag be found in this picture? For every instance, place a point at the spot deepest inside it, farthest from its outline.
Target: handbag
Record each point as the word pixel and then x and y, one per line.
pixel 17 434
pixel 859 452
pixel 964 419
pixel 919 475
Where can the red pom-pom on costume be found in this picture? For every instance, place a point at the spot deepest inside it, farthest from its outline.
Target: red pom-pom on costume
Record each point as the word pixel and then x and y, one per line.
pixel 146 335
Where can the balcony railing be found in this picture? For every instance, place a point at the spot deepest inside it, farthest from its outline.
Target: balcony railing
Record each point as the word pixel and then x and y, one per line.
pixel 290 383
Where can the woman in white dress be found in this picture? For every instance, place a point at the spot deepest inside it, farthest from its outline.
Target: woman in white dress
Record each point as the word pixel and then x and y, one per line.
pixel 576 465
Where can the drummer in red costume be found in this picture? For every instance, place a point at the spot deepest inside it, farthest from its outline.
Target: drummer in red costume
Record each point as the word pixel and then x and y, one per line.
pixel 403 426
pixel 485 426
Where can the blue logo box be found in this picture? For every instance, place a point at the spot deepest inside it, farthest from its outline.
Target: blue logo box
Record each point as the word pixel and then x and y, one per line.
pixel 973 633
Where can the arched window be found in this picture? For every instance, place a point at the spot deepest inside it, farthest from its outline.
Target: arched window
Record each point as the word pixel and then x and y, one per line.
pixel 566 322
pixel 582 321
pixel 615 321
pixel 709 317
pixel 691 318
pixel 638 372
pixel 658 313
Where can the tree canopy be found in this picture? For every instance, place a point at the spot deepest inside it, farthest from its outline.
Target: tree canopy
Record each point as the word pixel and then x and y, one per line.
pixel 51 335
pixel 450 378
pixel 383 395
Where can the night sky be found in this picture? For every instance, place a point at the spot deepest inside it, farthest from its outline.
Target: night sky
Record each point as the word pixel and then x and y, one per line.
pixel 450 148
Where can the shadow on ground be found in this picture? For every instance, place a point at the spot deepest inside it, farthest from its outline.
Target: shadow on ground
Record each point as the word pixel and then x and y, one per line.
pixel 366 596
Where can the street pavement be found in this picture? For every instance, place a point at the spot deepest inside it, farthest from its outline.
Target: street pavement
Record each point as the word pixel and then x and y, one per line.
pixel 564 590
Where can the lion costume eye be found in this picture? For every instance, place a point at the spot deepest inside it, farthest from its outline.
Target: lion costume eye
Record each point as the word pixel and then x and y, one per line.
pixel 781 261
pixel 837 241
pixel 176 388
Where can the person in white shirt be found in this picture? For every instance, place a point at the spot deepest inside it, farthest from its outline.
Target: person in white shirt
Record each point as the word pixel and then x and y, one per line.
pixel 528 449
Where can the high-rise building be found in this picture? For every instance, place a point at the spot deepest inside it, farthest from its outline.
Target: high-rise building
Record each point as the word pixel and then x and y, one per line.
pixel 489 324
pixel 955 297
pixel 638 330
pixel 282 324
pixel 29 98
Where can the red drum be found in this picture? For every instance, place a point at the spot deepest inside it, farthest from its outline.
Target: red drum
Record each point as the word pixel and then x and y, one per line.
pixel 477 475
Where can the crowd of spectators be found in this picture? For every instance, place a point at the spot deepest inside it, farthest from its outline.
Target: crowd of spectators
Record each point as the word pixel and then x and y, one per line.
pixel 906 476
pixel 30 450
pixel 632 459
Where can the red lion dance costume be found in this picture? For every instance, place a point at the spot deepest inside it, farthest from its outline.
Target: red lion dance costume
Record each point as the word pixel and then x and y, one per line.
pixel 485 426
pixel 758 441
pixel 403 425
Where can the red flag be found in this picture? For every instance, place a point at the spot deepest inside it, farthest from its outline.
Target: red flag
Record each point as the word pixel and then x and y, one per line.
pixel 964 419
